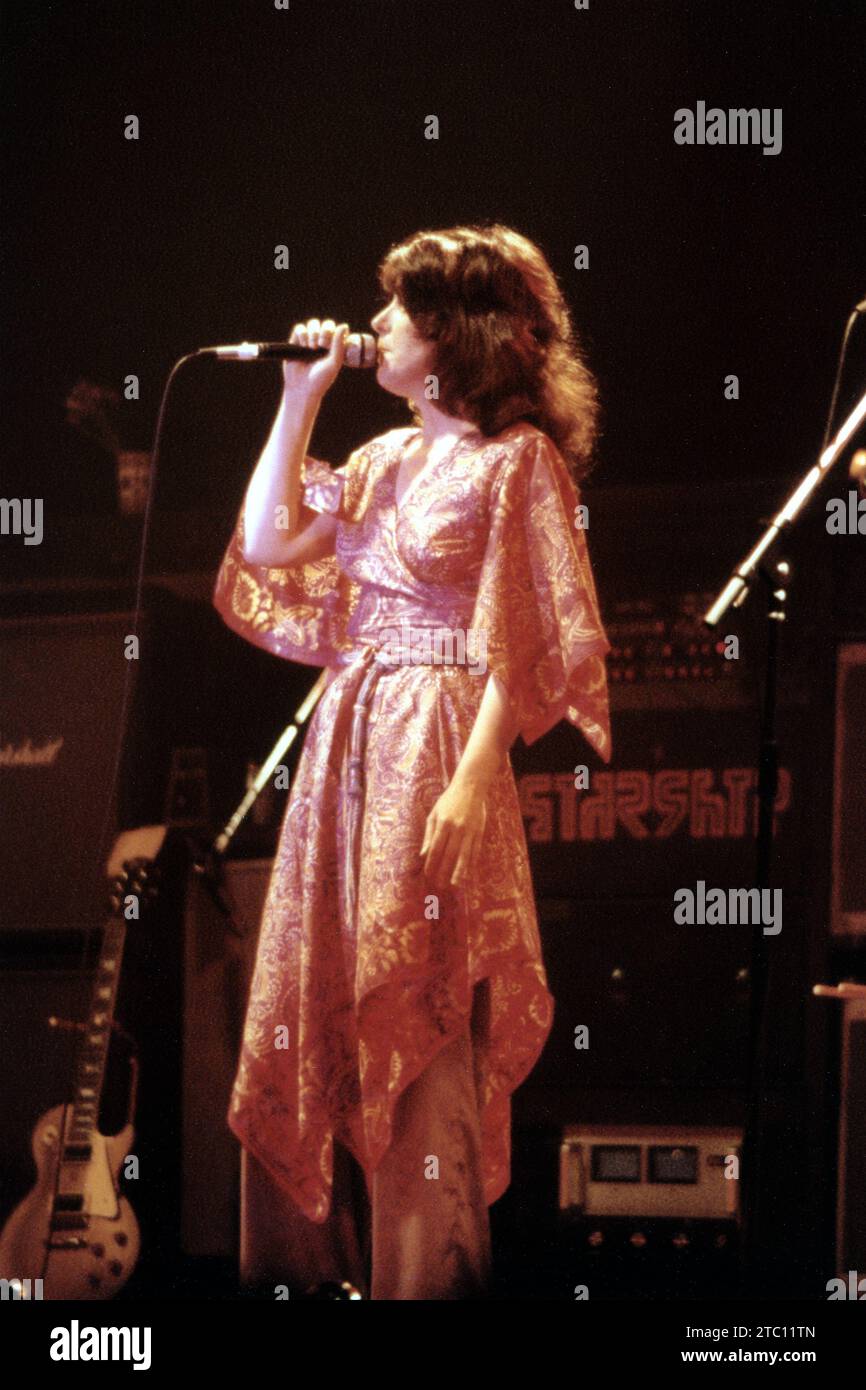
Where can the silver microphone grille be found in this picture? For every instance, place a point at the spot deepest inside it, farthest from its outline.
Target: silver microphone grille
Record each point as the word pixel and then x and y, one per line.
pixel 360 350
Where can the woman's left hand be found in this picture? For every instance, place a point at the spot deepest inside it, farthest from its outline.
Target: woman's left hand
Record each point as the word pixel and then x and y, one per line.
pixel 453 834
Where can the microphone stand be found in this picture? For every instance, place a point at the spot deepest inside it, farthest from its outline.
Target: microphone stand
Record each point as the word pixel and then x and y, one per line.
pixel 208 859
pixel 734 595
pixel 282 745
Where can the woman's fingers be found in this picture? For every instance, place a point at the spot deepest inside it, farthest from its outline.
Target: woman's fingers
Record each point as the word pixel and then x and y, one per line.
pixel 451 847
pixel 437 845
pixel 465 866
pixel 469 858
pixel 319 374
pixel 444 855
pixel 313 333
pixel 461 868
pixel 428 834
pixel 337 342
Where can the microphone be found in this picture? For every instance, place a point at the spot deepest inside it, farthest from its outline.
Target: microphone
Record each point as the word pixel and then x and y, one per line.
pixel 361 351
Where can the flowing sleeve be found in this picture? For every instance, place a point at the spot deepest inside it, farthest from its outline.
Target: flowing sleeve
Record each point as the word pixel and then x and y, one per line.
pixel 300 612
pixel 537 599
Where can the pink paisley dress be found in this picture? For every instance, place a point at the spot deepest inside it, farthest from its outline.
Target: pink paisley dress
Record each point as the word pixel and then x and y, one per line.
pixel 358 984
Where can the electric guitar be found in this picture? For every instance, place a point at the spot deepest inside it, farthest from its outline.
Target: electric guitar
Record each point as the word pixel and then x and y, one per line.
pixel 73 1230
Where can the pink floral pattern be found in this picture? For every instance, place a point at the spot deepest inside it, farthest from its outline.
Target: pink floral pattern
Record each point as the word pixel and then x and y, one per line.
pixel 343 1015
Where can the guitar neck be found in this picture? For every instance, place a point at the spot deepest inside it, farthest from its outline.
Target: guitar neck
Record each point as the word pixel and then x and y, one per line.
pixel 93 1051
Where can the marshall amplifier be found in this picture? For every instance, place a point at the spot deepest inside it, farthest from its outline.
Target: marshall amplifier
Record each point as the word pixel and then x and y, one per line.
pixel 184 711
pixel 60 711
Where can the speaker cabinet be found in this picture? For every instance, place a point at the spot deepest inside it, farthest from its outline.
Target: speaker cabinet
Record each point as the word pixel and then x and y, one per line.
pixel 219 959
pixel 69 693
pixel 60 711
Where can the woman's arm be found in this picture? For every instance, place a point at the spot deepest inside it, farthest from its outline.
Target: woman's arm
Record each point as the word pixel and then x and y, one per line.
pixel 276 479
pixel 493 733
pixel 455 825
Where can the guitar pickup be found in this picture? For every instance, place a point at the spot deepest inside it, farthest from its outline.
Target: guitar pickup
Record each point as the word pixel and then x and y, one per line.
pixel 69 1221
pixel 77 1153
pixel 68 1202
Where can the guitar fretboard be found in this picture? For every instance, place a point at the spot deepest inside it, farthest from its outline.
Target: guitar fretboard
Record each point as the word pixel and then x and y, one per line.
pixel 93 1051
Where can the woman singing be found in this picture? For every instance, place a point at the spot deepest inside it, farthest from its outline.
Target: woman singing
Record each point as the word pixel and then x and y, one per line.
pixel 442 576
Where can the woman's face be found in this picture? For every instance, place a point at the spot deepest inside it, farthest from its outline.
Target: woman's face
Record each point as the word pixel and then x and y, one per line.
pixel 405 359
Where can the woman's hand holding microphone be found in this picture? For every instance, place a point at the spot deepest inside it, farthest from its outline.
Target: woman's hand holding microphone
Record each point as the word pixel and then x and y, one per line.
pixel 312 379
pixel 277 478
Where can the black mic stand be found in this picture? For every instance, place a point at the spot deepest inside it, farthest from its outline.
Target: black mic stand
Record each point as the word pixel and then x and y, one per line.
pixel 282 745
pixel 734 594
pixel 208 858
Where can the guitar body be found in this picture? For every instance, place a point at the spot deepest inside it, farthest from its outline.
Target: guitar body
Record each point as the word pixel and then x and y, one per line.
pixel 74 1231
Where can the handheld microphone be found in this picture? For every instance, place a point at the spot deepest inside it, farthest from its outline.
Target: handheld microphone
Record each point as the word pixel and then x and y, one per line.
pixel 361 351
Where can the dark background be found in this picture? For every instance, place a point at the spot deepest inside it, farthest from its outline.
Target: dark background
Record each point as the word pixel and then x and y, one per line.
pixel 305 127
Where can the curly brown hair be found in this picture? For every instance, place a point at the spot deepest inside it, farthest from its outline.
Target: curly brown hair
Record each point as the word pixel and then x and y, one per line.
pixel 506 349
